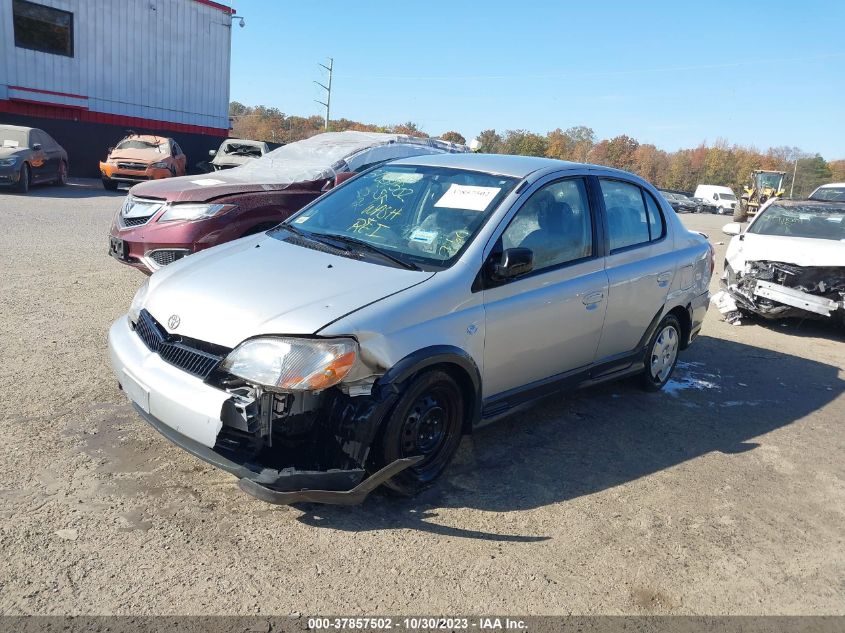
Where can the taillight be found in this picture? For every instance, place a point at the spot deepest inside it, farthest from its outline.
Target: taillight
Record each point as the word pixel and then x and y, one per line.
pixel 712 258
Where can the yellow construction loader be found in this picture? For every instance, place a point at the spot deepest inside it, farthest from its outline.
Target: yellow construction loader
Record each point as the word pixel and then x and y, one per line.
pixel 762 186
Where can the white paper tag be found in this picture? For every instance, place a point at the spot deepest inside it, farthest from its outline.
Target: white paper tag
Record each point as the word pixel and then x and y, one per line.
pixel 468 197
pixel 402 177
pixel 208 182
pixel 301 219
pixel 423 237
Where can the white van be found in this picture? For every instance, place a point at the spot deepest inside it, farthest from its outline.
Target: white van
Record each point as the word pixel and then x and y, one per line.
pixel 722 197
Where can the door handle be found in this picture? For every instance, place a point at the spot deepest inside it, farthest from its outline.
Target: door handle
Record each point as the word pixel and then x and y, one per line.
pixel 664 278
pixel 593 298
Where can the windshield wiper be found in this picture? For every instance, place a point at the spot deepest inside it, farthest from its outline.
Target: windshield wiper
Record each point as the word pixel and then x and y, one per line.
pixel 374 249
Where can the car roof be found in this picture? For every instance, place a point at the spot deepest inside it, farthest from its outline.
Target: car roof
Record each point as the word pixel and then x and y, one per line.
pixel 502 164
pixel 832 184
pixel 154 137
pixel 19 128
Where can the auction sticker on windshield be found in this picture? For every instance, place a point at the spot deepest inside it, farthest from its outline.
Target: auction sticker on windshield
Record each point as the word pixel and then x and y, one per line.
pixel 468 197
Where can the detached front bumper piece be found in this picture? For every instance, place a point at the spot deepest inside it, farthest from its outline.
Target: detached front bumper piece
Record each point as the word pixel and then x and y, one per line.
pixel 332 486
pixel 283 448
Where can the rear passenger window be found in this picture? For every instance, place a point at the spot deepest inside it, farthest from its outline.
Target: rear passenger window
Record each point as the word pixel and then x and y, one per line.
pixel 554 223
pixel 656 223
pixel 626 214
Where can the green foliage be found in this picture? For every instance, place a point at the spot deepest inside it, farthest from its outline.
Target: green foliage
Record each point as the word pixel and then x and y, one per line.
pixel 453 137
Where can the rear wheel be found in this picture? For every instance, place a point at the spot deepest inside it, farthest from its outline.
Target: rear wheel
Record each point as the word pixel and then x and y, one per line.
pixel 109 184
pixel 24 178
pixel 425 421
pixel 662 355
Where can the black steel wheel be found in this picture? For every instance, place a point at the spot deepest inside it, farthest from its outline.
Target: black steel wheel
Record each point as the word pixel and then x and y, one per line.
pixel 24 178
pixel 427 420
pixel 61 175
pixel 109 184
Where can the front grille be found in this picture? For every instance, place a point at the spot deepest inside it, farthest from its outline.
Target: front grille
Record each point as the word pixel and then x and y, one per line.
pixel 132 166
pixel 134 221
pixel 163 257
pixel 178 352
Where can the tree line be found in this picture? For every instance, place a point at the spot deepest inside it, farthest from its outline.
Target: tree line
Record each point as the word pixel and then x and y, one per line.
pixel 682 170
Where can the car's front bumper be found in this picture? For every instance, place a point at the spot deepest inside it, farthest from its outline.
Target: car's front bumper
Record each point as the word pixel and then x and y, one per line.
pixel 189 413
pixel 10 175
pixel 118 174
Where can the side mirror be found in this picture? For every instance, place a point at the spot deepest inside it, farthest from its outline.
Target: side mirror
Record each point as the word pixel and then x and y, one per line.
pixel 733 228
pixel 36 146
pixel 514 262
pixel 212 152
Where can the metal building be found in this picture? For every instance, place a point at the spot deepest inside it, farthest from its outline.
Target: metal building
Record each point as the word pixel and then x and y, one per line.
pixel 86 71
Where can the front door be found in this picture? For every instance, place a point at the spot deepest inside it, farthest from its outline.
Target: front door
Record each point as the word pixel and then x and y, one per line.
pixel 548 321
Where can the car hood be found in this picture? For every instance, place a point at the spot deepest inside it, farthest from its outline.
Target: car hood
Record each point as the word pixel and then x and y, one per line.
pixel 799 251
pixel 208 187
pixel 260 285
pixel 147 155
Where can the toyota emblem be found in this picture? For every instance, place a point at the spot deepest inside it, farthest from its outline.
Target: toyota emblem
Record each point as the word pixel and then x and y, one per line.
pixel 173 322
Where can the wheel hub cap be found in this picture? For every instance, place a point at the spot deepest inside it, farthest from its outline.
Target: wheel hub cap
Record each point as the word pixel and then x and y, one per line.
pixel 664 353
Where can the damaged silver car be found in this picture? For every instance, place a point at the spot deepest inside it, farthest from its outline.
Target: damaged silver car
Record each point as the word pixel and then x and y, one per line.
pixel 789 262
pixel 355 344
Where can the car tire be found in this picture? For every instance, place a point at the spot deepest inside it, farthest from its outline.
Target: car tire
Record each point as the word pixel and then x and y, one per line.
pixel 427 420
pixel 109 184
pixel 662 354
pixel 24 179
pixel 61 177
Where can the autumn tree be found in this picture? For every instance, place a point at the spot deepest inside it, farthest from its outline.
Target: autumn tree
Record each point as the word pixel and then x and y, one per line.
pixel 454 137
pixel 489 142
pixel 524 143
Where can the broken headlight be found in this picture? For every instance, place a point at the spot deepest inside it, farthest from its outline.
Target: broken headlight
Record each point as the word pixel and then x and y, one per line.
pixel 193 211
pixel 294 364
pixel 138 301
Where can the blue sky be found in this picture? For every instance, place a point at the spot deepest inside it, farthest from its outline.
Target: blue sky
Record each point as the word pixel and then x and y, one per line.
pixel 673 74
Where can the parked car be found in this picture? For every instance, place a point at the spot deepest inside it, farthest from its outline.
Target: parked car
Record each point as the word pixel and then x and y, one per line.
pixel 29 156
pixel 703 205
pixel 356 342
pixel 234 151
pixel 723 197
pixel 834 191
pixel 790 261
pixel 679 202
pixel 140 157
pixel 163 221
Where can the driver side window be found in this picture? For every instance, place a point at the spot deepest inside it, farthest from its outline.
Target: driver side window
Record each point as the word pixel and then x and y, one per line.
pixel 554 223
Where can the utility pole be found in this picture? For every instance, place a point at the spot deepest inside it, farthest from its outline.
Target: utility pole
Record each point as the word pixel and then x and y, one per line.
pixel 328 102
pixel 794 172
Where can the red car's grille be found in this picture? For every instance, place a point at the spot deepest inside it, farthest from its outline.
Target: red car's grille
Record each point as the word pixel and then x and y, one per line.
pixel 132 166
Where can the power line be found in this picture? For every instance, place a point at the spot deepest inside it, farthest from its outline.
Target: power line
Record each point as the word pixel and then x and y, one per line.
pixel 328 89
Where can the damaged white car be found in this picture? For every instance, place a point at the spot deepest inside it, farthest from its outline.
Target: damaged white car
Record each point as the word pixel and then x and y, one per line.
pixel 789 262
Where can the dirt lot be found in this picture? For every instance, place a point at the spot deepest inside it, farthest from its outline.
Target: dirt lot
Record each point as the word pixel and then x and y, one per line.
pixel 724 494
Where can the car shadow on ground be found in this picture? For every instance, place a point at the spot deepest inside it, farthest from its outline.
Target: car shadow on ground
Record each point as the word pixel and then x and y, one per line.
pixel 75 189
pixel 722 397
pixel 809 328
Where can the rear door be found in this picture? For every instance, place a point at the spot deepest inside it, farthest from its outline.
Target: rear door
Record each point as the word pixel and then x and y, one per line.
pixel 640 266
pixel 549 321
pixel 43 167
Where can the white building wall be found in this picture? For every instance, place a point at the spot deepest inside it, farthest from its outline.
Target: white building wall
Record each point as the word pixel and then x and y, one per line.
pixel 165 60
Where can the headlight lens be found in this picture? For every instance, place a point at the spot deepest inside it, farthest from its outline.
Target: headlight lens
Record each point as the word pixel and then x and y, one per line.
pixel 160 165
pixel 138 301
pixel 193 211
pixel 8 162
pixel 292 363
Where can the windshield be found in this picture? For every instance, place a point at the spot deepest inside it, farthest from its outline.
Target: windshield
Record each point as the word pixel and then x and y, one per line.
pixel 726 196
pixel 13 138
pixel 137 143
pixel 769 180
pixel 824 222
pixel 421 215
pixel 829 193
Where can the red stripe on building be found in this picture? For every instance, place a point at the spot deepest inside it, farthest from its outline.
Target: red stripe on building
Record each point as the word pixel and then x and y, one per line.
pixel 216 5
pixel 79 113
pixel 48 92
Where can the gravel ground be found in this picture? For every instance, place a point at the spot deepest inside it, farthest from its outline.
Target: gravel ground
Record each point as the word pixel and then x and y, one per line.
pixel 724 494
